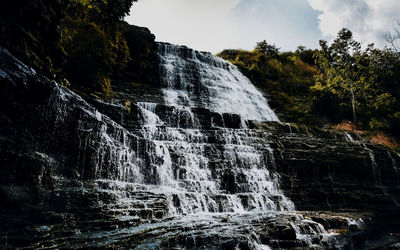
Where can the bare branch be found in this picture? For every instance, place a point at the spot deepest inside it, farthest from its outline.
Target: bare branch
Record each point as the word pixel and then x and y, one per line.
pixel 393 38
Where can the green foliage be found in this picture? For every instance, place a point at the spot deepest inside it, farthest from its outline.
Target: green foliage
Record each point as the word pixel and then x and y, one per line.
pixel 80 43
pixel 341 69
pixel 93 45
pixel 306 55
pixel 112 9
pixel 104 11
pixel 267 49
pixel 340 81
pixel 362 84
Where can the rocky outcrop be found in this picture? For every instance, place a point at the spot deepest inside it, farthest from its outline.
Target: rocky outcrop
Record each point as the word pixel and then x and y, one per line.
pixel 334 170
pixel 142 66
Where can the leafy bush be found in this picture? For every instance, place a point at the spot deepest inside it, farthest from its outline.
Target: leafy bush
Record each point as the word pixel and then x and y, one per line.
pixel 93 45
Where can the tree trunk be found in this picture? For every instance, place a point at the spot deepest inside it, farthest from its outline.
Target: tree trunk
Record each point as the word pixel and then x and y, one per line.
pixel 353 102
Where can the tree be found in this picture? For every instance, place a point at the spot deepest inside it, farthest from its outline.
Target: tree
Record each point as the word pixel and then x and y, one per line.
pixel 115 9
pixel 393 38
pixel 366 80
pixel 339 64
pixel 267 49
pixel 382 89
pixel 93 43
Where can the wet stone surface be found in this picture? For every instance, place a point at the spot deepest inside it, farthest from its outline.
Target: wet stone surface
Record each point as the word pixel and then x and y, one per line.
pixel 181 169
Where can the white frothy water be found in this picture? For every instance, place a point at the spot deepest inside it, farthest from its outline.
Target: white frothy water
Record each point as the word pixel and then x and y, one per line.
pixel 349 138
pixel 195 78
pixel 241 181
pixel 173 160
pixel 190 183
pixel 199 80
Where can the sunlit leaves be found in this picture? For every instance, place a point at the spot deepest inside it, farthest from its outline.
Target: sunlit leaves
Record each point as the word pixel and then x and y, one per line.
pixel 362 80
pixel 94 47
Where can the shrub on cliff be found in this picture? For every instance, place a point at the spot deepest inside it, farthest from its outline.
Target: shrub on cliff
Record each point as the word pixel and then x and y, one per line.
pixel 80 40
pixel 267 49
pixel 93 43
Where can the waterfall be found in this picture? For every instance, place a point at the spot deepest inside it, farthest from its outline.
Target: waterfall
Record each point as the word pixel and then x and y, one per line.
pixel 209 168
pixel 194 153
pixel 193 78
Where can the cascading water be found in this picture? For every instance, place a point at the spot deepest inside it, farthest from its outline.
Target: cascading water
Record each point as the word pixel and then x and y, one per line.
pixel 233 172
pixel 193 78
pixel 198 168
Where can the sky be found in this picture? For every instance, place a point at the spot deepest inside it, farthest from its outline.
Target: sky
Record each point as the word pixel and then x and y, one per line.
pixel 215 25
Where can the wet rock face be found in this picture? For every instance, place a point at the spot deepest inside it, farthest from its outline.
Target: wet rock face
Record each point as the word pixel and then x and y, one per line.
pixel 324 170
pixel 139 173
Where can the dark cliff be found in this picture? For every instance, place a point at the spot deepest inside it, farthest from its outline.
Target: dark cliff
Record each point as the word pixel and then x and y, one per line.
pixel 60 156
pixel 338 171
pixel 142 67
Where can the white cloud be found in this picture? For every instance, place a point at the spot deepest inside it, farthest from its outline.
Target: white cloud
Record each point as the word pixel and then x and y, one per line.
pixel 287 23
pixel 367 19
pixel 214 25
pixel 202 22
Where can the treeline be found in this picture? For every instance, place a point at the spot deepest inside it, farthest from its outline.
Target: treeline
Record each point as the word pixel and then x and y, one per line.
pixel 84 44
pixel 340 81
pixel 359 85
